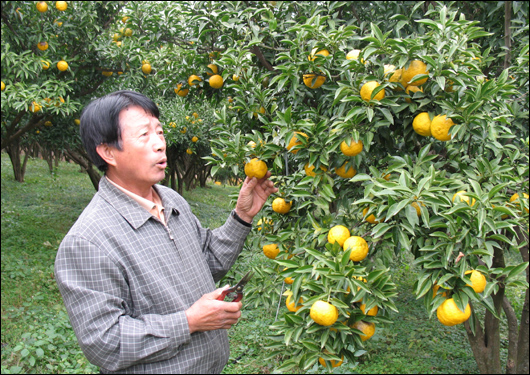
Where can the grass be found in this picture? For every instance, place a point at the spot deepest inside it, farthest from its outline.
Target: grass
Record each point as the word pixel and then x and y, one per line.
pixel 37 336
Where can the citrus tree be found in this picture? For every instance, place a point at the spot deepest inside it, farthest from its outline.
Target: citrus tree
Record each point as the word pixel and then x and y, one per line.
pixel 389 127
pixel 49 68
pixel 57 56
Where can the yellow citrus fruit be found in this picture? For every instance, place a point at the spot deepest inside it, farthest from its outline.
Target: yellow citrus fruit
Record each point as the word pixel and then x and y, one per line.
pixel 339 234
pixel 372 312
pixel 128 32
pixel 42 6
pixel 324 313
pixel 294 142
pixel 308 80
pixel 3 86
pixel 193 78
pixel 359 248
pixel 449 314
pixel 440 126
pixel 288 280
pixel 370 218
pixel 368 88
pixel 462 197
pixel 61 5
pixel 146 68
pixel 213 68
pixel 183 92
pixel 235 77
pixel 265 222
pixel 216 81
pixel 417 207
pixel 43 46
pixel 195 139
pixel 290 305
pixel 312 56
pixel 62 65
pixel 309 169
pixel 387 69
pixel 354 55
pixel 195 114
pixel 331 361
pixel 410 90
pixel 353 149
pixel 256 168
pixel 35 107
pixel 342 172
pixel 368 329
pixel 77 121
pixel 415 67
pixel 478 281
pixel 271 251
pixel 261 110
pixel 396 76
pixel 280 206
pixel 435 291
pixel 189 151
pixel 422 124
pixel 515 199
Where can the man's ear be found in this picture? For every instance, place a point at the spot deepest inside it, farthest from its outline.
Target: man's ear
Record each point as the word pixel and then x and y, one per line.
pixel 106 153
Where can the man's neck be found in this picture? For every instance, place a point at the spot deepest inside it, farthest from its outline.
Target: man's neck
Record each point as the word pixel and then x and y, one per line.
pixel 142 191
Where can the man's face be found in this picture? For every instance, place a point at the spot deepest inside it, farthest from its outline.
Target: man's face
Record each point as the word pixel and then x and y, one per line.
pixel 142 160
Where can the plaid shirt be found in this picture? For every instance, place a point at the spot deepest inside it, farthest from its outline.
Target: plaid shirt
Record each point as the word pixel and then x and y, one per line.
pixel 127 279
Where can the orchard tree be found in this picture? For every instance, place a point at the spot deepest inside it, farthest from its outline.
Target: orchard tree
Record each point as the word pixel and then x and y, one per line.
pixel 50 66
pixel 58 56
pixel 390 127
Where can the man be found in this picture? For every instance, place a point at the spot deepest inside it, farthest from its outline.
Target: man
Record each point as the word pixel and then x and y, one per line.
pixel 137 271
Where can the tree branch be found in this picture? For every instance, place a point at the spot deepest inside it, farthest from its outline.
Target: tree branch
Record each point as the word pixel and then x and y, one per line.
pixel 257 51
pixel 507 33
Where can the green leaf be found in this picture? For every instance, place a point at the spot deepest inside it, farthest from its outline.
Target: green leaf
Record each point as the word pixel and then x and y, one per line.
pixel 310 344
pixel 360 177
pixel 517 270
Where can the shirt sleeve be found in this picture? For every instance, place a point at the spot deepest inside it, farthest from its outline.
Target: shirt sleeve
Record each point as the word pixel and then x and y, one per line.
pixel 95 293
pixel 222 246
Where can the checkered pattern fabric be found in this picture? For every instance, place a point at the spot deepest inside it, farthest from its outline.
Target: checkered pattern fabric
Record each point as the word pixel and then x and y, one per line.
pixel 127 279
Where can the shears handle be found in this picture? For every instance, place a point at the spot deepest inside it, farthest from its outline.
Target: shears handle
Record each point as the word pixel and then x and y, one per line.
pixel 227 292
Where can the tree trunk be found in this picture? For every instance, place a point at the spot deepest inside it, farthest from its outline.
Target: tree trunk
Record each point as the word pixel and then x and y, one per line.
pixel 82 159
pixel 485 343
pixel 507 33
pixel 25 163
pixel 204 174
pixel 522 344
pixel 13 150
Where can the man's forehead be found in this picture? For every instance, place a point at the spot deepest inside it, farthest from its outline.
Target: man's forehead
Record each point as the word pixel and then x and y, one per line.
pixel 138 115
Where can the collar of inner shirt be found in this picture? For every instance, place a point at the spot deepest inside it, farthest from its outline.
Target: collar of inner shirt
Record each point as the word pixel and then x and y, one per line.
pixel 155 208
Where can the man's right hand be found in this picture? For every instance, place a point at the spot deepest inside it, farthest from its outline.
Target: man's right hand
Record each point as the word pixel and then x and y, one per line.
pixel 208 313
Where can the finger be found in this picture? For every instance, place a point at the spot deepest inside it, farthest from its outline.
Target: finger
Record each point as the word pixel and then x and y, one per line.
pixel 232 307
pixel 217 292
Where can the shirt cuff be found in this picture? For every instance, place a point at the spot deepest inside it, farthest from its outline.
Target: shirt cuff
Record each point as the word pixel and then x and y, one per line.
pixel 236 216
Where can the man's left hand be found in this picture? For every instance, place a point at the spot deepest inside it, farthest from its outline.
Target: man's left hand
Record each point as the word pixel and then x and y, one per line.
pixel 253 195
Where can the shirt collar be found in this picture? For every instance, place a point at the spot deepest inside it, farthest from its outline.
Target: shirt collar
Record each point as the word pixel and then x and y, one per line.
pixel 154 208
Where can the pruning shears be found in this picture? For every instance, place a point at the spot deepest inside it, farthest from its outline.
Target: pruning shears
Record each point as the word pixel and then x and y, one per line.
pixel 237 289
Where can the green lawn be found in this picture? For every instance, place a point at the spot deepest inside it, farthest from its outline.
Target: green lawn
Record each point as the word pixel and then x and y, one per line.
pixel 36 334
